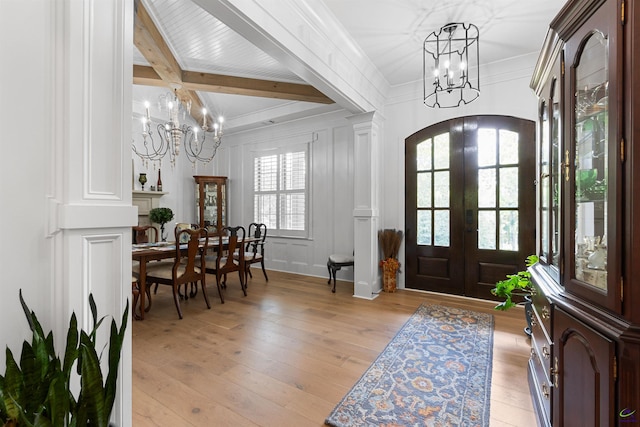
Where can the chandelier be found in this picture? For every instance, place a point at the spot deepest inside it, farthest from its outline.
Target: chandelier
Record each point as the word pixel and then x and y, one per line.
pixel 450 72
pixel 200 143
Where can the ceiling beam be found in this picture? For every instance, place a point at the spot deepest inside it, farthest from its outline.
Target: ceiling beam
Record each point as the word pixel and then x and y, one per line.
pixel 166 72
pixel 150 43
pixel 218 83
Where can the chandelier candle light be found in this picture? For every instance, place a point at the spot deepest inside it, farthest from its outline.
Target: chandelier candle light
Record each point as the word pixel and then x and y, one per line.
pixel 198 146
pixel 450 72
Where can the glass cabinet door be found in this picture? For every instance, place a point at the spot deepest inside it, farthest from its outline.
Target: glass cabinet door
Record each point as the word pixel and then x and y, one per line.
pixel 210 202
pixel 556 182
pixel 544 183
pixel 591 163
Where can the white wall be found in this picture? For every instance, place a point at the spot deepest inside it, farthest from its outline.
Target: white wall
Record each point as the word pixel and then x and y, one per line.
pixel 26 181
pixel 330 138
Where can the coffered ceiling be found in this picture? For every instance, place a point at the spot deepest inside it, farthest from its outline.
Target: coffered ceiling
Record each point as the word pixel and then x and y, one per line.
pixel 221 69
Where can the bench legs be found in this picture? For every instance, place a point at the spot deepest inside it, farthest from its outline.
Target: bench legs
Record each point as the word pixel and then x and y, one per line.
pixel 333 267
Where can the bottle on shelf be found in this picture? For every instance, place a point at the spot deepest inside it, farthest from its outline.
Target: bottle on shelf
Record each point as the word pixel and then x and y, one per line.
pixel 159 184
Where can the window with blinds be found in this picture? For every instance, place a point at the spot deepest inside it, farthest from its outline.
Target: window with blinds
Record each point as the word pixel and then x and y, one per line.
pixel 280 196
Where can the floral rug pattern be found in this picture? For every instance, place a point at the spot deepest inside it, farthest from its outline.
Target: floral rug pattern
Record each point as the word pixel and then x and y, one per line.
pixel 435 372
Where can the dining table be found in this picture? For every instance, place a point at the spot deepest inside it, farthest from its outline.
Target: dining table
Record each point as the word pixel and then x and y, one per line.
pixel 146 252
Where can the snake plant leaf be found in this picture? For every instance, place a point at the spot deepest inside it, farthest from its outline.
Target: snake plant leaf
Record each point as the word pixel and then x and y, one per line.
pixel 115 346
pixel 27 312
pixel 32 379
pixel 92 391
pixel 3 410
pixel 71 349
pixel 43 421
pixel 12 387
pixel 58 399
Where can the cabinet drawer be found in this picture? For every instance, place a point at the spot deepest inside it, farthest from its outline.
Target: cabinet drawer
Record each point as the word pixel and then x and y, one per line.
pixel 541 347
pixel 539 384
pixel 542 306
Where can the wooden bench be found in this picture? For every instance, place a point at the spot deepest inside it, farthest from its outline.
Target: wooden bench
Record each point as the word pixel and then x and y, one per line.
pixel 335 263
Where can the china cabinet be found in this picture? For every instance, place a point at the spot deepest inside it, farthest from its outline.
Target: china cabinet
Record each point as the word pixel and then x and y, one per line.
pixel 585 348
pixel 211 202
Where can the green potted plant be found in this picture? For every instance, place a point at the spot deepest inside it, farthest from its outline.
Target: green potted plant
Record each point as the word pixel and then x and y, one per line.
pixel 161 216
pixel 37 390
pixel 518 284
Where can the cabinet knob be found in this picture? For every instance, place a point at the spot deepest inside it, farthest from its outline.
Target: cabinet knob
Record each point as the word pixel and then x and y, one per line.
pixel 545 312
pixel 554 372
pixel 545 352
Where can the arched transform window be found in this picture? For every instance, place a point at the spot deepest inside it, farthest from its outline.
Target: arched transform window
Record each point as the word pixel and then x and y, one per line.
pixel 470 204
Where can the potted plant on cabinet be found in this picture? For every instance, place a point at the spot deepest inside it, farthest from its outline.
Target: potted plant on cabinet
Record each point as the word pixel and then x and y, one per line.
pixel 161 216
pixel 38 390
pixel 518 284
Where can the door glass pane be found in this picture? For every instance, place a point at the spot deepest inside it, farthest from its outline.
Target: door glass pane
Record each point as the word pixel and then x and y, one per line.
pixel 486 230
pixel 424 189
pixel 509 187
pixel 423 153
pixel 486 147
pixel 590 162
pixel 441 189
pixel 487 188
pixel 509 230
pixel 441 226
pixel 441 151
pixel 508 147
pixel 424 227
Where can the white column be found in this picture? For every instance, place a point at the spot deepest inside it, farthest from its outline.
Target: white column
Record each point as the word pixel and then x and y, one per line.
pixel 90 206
pixel 365 212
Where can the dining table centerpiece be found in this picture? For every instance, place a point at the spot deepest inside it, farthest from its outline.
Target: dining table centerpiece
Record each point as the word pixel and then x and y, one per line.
pixel 389 240
pixel 161 216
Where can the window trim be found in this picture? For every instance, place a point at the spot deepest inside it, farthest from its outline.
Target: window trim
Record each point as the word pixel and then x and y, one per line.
pixel 292 148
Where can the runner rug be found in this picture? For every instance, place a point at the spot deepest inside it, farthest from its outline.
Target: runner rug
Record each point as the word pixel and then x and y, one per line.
pixel 435 372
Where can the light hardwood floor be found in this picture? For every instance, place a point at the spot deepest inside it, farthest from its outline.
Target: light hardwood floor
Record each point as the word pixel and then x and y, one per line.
pixel 287 353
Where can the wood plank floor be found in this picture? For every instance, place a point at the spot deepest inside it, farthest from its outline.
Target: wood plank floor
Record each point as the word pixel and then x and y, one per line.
pixel 287 353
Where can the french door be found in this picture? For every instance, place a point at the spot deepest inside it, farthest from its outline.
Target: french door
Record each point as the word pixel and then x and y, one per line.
pixel 470 203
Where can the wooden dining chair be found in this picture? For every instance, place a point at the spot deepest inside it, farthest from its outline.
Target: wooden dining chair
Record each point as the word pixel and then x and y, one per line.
pixel 188 268
pixel 254 252
pixel 224 261
pixel 144 234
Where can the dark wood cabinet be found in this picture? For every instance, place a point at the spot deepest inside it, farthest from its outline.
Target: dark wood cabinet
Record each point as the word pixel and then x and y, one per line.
pixel 211 202
pixel 585 352
pixel 584 386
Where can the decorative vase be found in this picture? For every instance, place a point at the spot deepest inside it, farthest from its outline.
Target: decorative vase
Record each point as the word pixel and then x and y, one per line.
pixel 142 179
pixel 390 268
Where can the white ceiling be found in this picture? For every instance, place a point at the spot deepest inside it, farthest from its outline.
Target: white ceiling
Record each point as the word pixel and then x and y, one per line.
pixel 390 32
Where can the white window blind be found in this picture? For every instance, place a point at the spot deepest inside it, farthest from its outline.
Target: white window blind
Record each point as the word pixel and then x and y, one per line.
pixel 280 192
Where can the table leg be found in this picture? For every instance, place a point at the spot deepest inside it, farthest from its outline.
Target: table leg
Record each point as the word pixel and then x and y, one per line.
pixel 143 285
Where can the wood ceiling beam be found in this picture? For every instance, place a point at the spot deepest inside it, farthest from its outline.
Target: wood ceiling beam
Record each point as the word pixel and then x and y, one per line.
pixel 166 72
pixel 218 83
pixel 150 43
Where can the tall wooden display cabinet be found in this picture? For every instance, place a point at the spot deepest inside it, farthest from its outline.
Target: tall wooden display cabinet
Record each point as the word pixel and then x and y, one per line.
pixel 584 368
pixel 211 202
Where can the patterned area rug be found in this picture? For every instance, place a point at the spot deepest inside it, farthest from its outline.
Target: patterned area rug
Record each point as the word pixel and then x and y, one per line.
pixel 435 372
